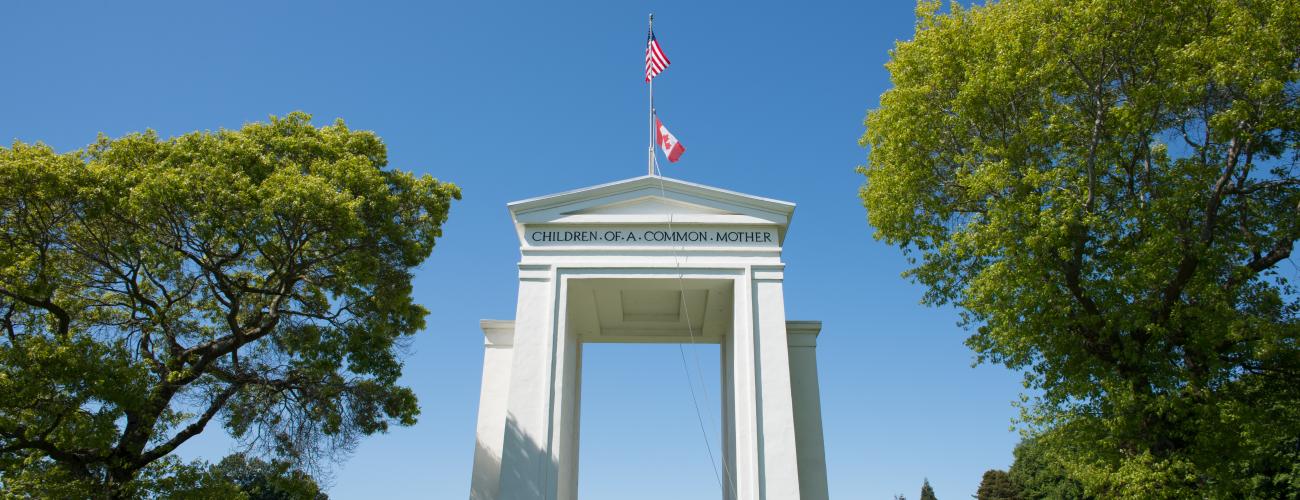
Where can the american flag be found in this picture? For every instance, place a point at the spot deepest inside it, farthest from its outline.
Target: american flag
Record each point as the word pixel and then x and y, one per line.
pixel 655 60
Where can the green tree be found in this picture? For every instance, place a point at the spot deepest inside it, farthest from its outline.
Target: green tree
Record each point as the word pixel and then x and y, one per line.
pixel 1109 191
pixel 259 276
pixel 996 485
pixel 262 480
pixel 1037 474
pixel 927 493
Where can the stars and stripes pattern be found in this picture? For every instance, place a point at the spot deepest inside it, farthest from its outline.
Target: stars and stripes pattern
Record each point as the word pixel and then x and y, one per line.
pixel 655 60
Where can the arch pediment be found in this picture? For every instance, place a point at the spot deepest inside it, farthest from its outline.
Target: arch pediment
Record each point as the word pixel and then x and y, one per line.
pixel 651 200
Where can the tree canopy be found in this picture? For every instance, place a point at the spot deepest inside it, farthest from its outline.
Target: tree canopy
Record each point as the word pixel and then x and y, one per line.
pixel 260 277
pixel 1109 191
pixel 996 485
pixel 927 492
pixel 1036 473
pixel 262 480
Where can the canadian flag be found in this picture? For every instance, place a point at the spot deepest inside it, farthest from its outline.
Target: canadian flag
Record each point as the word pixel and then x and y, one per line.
pixel 672 149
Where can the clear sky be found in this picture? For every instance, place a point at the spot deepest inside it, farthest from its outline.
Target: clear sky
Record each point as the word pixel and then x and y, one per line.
pixel 513 101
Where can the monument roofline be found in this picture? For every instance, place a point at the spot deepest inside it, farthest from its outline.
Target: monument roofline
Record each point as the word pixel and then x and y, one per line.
pixel 652 200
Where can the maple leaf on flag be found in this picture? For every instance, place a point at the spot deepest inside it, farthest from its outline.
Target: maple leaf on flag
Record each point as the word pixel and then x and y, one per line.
pixel 668 142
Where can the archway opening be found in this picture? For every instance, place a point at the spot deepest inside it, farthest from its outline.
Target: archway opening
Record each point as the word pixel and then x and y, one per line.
pixel 640 428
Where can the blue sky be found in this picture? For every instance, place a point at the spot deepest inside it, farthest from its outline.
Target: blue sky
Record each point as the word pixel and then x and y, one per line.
pixel 513 101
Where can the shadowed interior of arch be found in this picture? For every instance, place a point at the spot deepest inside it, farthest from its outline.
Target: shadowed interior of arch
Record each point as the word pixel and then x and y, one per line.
pixel 650 310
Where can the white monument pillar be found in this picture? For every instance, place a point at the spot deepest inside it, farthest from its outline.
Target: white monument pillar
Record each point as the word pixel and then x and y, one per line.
pixel 650 259
pixel 807 408
pixel 495 392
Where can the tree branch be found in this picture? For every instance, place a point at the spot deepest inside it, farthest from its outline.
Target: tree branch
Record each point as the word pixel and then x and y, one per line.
pixel 18 441
pixel 63 320
pixel 1189 262
pixel 190 430
pixel 1280 251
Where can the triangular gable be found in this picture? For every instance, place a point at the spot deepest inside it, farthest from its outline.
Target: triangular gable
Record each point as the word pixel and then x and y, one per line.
pixel 653 204
pixel 652 200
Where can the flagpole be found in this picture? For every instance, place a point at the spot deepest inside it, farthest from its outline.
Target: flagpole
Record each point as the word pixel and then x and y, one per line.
pixel 650 156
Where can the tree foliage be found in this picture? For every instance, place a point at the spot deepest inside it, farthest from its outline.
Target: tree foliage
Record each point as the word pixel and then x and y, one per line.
pixel 1109 190
pixel 996 485
pixel 1037 473
pixel 259 276
pixel 927 492
pixel 261 480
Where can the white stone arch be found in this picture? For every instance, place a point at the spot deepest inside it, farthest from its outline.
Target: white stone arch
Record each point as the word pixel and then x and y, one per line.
pixel 625 262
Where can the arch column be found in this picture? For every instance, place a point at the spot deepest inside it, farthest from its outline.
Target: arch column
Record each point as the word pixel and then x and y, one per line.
pixel 807 409
pixel 760 447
